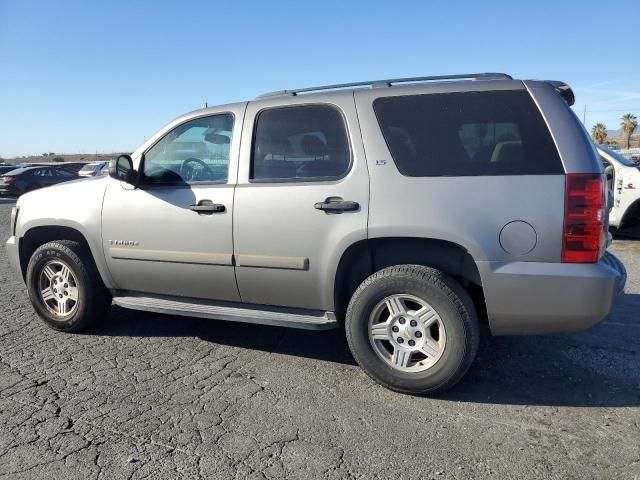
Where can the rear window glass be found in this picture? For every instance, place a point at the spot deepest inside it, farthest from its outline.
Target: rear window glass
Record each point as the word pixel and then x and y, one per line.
pixel 88 168
pixel 467 134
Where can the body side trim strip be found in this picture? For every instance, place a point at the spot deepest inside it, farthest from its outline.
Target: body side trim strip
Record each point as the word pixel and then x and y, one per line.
pixel 268 261
pixel 171 256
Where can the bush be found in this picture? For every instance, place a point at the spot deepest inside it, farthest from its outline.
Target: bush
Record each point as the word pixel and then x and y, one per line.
pixel 58 159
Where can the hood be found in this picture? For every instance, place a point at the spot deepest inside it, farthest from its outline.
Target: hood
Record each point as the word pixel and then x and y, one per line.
pixel 76 204
pixel 74 191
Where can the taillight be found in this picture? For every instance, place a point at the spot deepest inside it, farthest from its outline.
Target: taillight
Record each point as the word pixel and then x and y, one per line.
pixel 584 218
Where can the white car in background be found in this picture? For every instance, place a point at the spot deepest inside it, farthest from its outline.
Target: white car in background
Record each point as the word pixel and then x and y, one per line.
pixel 623 177
pixel 94 169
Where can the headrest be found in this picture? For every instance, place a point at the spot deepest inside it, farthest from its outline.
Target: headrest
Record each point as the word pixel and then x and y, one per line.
pixel 313 146
pixel 509 151
pixel 273 147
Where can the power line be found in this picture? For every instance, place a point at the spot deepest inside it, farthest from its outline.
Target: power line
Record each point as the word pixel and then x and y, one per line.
pixel 632 109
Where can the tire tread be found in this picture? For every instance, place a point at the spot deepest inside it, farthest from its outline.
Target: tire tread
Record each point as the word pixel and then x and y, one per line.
pixel 98 301
pixel 454 292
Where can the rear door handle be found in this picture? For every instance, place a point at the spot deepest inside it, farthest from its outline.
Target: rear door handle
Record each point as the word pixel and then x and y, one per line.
pixel 337 205
pixel 207 207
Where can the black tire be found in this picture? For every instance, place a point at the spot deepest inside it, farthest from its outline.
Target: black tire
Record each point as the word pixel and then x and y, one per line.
pixel 93 302
pixel 446 297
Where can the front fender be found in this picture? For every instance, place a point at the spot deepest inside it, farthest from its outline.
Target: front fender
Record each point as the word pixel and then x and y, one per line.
pixel 76 205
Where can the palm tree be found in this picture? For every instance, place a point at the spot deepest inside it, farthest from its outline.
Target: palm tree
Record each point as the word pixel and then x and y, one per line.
pixel 629 124
pixel 599 132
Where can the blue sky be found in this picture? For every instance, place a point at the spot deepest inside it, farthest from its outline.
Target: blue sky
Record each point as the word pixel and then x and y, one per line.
pixel 86 76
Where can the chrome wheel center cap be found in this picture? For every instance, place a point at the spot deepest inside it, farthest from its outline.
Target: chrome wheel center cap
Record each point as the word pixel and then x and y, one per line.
pixel 407 333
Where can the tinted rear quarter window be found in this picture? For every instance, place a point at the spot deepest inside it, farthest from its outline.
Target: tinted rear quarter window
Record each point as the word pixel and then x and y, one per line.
pixel 467 134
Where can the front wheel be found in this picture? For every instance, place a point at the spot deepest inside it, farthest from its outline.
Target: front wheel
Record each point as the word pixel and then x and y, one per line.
pixel 413 329
pixel 65 287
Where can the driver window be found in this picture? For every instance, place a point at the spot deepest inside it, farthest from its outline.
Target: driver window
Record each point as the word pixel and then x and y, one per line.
pixel 195 152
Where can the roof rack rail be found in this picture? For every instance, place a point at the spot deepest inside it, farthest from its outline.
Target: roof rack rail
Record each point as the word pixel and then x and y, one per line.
pixel 390 81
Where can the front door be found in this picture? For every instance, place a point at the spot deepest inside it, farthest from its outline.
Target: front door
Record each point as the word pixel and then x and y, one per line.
pixel 302 198
pixel 173 234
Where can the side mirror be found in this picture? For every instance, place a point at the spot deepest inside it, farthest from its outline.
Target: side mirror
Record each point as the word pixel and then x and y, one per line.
pixel 121 169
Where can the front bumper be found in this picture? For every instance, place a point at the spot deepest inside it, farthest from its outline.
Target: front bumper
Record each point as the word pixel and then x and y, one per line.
pixel 14 255
pixel 531 298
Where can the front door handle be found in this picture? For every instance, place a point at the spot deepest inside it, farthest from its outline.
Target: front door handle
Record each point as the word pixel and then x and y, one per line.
pixel 337 205
pixel 207 207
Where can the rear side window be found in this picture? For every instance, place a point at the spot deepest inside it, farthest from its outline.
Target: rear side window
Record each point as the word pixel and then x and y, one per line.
pixel 307 142
pixel 43 172
pixel 467 134
pixel 64 174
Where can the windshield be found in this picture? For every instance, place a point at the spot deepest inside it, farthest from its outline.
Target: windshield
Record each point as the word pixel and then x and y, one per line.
pixel 617 156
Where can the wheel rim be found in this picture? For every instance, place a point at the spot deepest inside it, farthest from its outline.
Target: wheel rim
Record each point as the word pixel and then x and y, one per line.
pixel 58 289
pixel 407 333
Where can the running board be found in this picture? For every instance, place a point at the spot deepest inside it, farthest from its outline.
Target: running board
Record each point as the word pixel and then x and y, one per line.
pixel 229 311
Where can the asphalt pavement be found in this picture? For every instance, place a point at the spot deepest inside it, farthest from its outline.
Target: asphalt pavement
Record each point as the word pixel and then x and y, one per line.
pixel 154 396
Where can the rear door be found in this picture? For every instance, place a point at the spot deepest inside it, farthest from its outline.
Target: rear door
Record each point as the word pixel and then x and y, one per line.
pixel 44 177
pixel 302 198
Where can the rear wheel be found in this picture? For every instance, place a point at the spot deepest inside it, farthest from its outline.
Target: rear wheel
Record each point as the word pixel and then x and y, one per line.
pixel 65 287
pixel 413 329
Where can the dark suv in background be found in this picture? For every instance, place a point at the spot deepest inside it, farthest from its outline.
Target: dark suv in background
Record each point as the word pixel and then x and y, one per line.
pixel 21 180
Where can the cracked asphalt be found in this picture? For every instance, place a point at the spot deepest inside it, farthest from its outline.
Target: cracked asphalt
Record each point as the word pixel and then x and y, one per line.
pixel 153 396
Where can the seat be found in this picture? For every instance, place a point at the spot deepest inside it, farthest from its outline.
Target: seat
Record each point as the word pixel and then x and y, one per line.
pixel 271 161
pixel 323 164
pixel 509 151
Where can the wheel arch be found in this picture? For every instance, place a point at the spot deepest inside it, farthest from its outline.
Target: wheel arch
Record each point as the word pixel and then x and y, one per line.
pixel 39 235
pixel 368 256
pixel 631 216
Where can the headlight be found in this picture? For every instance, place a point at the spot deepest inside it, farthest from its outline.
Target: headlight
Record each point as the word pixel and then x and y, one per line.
pixel 14 219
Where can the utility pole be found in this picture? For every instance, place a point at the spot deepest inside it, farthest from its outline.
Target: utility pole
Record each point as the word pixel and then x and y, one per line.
pixel 584 115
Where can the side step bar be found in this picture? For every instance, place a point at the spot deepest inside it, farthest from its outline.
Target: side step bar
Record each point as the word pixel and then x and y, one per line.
pixel 229 311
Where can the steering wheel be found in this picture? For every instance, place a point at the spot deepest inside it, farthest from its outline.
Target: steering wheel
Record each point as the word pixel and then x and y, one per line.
pixel 188 172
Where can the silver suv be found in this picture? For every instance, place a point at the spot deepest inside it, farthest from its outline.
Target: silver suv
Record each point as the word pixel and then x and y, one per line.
pixel 406 211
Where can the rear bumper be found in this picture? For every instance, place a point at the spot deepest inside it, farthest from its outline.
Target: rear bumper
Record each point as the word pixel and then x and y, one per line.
pixel 14 255
pixel 527 298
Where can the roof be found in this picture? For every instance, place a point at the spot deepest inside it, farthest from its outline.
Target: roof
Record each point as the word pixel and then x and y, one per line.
pixel 562 88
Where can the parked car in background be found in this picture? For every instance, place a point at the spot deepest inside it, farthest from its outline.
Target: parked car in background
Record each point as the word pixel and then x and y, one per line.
pixel 94 169
pixel 22 180
pixel 623 177
pixel 73 167
pixel 6 168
